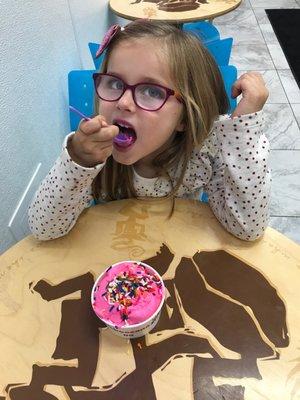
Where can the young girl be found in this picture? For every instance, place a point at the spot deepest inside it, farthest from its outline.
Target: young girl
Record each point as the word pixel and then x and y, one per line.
pixel 162 93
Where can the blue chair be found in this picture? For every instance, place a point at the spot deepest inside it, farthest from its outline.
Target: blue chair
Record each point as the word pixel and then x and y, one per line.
pixel 206 31
pixel 93 50
pixel 229 75
pixel 81 95
pixel 220 50
pixel 210 37
pixel 203 197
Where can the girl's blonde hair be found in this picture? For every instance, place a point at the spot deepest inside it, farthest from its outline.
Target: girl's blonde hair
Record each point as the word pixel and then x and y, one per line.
pixel 197 78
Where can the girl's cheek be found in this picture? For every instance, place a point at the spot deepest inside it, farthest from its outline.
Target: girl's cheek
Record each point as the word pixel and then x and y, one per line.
pixel 104 109
pixel 100 106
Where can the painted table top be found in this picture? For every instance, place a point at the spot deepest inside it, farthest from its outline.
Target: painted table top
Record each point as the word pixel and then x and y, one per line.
pixel 173 10
pixel 229 328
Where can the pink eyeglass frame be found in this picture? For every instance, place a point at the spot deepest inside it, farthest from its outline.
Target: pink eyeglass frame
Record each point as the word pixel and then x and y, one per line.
pixel 169 92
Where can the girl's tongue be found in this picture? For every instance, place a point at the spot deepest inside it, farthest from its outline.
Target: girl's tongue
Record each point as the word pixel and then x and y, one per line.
pixel 126 136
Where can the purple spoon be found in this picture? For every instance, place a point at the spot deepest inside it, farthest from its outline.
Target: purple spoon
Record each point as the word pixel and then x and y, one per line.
pixel 121 139
pixel 79 113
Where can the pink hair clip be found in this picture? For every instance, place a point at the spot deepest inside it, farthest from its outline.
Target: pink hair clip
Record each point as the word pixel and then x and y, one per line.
pixel 110 34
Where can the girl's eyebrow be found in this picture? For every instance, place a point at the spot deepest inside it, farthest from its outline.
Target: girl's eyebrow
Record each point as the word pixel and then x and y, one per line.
pixel 152 80
pixel 145 79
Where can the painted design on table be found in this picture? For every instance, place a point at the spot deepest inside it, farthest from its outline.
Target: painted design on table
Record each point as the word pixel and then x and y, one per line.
pixel 173 5
pixel 213 288
pixel 130 232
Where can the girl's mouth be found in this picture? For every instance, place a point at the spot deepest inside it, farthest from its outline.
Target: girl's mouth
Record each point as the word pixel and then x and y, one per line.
pixel 126 136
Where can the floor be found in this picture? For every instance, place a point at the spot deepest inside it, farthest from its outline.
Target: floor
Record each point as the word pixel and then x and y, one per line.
pixel 256 48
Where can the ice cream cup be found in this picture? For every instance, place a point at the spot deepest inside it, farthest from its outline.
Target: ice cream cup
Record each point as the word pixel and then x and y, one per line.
pixel 132 331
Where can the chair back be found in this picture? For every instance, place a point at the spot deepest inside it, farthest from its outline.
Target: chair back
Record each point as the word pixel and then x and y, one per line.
pixel 81 95
pixel 229 75
pixel 93 50
pixel 205 31
pixel 220 50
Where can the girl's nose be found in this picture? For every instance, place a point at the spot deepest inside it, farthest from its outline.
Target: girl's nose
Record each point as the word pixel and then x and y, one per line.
pixel 126 102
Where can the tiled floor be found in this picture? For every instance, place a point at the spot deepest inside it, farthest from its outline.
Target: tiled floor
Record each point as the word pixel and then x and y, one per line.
pixel 256 48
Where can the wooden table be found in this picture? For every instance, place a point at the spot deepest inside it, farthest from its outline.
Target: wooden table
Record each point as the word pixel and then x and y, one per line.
pixel 229 328
pixel 178 11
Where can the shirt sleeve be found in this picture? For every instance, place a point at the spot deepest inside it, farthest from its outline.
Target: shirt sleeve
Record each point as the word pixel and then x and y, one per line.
pixel 62 196
pixel 239 187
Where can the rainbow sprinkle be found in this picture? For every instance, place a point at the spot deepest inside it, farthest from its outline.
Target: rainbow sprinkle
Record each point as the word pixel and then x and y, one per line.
pixel 125 288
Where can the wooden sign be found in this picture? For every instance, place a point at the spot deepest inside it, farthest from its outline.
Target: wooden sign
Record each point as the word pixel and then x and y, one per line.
pixel 229 328
pixel 172 10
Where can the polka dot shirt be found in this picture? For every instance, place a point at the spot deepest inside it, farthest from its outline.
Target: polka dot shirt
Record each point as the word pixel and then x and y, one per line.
pixel 231 166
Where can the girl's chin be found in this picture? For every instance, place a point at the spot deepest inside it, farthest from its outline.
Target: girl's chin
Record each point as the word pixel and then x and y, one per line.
pixel 122 159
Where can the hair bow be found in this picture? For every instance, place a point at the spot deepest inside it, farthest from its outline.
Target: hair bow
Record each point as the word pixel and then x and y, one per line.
pixel 110 34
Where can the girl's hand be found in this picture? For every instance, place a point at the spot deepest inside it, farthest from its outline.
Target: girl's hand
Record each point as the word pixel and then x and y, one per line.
pixel 92 143
pixel 254 93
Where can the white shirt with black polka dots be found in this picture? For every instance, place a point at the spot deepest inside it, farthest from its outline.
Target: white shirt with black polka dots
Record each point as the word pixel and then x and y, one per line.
pixel 231 166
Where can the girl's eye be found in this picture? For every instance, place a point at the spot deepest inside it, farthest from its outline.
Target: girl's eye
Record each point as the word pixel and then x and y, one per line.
pixel 154 92
pixel 115 84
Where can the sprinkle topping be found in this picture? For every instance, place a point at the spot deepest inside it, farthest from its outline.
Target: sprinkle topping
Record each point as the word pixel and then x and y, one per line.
pixel 128 294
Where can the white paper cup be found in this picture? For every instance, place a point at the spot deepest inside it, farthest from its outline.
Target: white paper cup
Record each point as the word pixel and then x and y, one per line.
pixel 142 328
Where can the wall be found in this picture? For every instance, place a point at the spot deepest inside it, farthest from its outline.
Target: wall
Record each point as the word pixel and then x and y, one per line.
pixel 40 42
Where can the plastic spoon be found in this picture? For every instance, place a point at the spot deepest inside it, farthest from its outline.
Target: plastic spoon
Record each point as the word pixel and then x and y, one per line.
pixel 121 139
pixel 79 113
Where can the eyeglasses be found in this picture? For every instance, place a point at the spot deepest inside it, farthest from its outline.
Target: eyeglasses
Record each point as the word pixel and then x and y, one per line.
pixel 148 96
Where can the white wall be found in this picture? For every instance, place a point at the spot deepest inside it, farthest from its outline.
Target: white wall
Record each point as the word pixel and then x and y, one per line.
pixel 40 42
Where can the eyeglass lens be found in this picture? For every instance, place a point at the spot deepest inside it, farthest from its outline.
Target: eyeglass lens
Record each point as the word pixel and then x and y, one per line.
pixel 146 95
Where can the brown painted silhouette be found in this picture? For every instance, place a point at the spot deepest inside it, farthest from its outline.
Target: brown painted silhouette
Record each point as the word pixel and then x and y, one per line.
pixel 174 5
pixel 78 325
pixel 229 275
pixel 211 306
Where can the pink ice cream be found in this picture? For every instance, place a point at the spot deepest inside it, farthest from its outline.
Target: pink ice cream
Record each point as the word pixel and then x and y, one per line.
pixel 127 293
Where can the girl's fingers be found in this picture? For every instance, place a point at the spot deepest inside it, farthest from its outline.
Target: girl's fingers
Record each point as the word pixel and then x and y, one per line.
pixel 97 130
pixel 92 126
pixel 105 134
pixel 251 82
pixel 102 145
pixel 254 93
pixel 235 90
pixel 95 151
pixel 106 147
